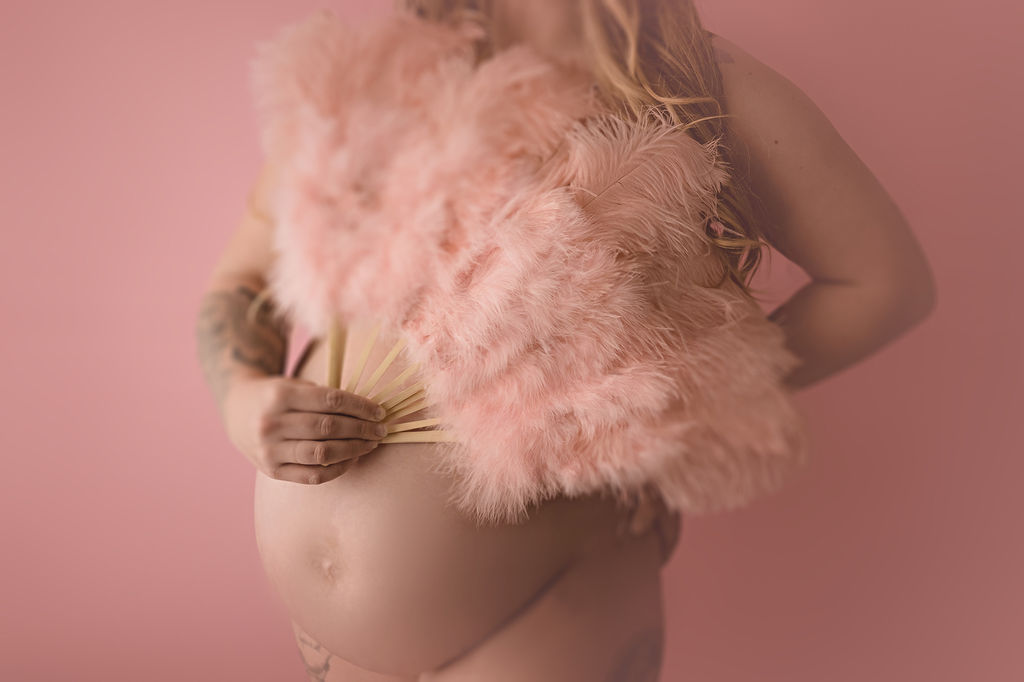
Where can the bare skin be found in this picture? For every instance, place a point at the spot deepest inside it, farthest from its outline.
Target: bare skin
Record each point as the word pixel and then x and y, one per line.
pixel 826 212
pixel 869 279
pixel 377 569
pixel 552 28
pixel 551 603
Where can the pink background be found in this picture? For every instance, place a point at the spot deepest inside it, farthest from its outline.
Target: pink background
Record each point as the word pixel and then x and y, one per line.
pixel 128 145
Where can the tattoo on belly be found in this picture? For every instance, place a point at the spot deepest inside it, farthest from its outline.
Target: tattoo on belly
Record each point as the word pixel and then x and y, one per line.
pixel 640 659
pixel 315 656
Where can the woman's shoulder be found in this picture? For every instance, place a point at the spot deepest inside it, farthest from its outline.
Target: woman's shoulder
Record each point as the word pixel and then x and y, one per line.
pixel 773 118
pixel 755 93
pixel 816 189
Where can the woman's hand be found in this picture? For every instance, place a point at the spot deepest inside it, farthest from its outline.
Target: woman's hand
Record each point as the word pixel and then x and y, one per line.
pixel 295 430
pixel 648 513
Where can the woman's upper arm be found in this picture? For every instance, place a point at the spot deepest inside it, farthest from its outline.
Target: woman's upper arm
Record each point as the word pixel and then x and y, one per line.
pixel 249 252
pixel 827 211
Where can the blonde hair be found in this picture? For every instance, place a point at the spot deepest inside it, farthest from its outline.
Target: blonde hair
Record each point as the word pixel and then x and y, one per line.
pixel 654 56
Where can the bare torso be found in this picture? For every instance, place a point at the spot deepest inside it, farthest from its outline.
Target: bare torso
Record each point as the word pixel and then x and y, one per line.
pixel 377 569
pixel 383 572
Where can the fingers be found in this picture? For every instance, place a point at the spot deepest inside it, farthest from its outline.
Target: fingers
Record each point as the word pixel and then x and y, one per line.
pixel 320 452
pixel 667 524
pixel 643 517
pixel 649 512
pixel 311 475
pixel 310 397
pixel 321 426
pixel 670 526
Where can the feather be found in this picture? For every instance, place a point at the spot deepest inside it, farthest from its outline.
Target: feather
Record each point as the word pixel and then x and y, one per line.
pixel 543 259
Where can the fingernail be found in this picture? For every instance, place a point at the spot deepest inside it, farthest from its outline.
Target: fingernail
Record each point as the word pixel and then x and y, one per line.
pixel 379 413
pixel 382 430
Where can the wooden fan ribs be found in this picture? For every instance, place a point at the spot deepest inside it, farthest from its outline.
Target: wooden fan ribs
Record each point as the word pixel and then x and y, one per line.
pixel 393 397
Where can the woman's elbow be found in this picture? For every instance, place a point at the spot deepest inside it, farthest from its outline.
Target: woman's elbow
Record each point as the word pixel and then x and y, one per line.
pixel 926 299
pixel 921 290
pixel 910 294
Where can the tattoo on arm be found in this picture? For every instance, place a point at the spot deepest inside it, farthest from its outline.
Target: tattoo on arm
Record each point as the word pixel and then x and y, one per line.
pixel 228 340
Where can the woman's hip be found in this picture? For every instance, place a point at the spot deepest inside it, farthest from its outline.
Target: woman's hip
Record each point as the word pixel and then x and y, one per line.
pixel 601 619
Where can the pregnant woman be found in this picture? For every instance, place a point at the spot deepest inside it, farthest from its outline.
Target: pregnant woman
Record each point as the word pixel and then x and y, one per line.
pixel 384 577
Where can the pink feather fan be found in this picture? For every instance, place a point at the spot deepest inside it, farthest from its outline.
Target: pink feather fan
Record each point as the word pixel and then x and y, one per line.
pixel 544 260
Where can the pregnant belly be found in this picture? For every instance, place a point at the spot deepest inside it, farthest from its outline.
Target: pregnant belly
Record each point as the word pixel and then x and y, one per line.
pixel 378 567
